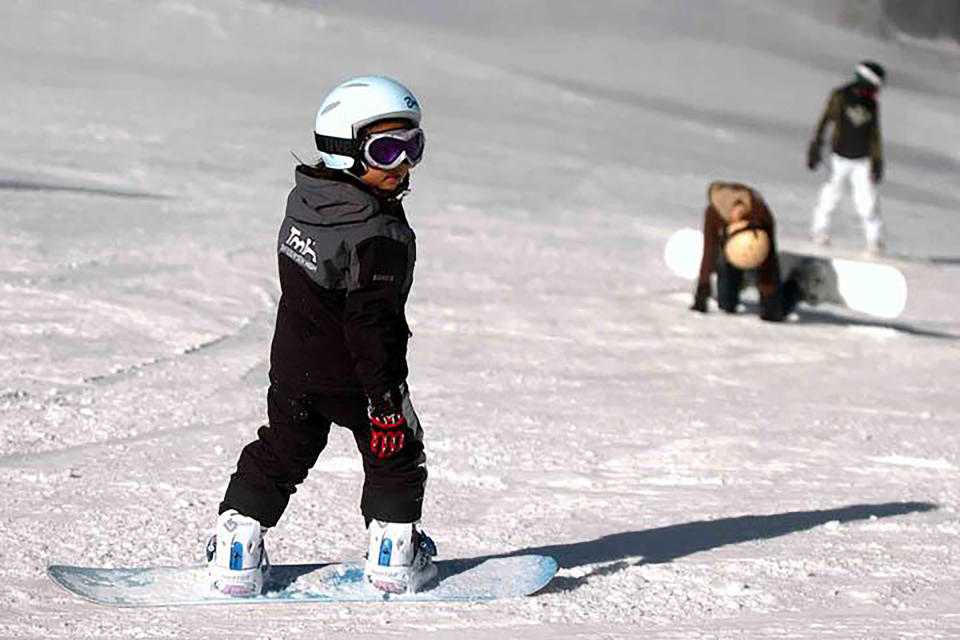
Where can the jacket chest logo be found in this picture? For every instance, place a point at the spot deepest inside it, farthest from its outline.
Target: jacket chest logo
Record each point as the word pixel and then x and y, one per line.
pixel 300 248
pixel 858 115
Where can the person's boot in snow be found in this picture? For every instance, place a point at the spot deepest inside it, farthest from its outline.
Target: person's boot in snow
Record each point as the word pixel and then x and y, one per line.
pixel 399 557
pixel 236 557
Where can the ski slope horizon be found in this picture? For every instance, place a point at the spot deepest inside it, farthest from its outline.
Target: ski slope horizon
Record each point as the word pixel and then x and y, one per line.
pixel 694 476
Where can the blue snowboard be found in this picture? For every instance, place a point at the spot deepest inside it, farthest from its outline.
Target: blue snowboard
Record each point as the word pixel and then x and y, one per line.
pixel 457 580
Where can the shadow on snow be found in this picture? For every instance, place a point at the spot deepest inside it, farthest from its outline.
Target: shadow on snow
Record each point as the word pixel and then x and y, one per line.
pixel 30 185
pixel 806 315
pixel 619 551
pixel 810 315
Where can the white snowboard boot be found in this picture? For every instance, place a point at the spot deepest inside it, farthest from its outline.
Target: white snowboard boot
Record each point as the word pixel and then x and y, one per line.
pixel 399 557
pixel 236 558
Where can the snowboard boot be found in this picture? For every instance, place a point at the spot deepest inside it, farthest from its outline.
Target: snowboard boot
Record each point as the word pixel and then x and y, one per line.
pixel 875 249
pixel 399 557
pixel 236 557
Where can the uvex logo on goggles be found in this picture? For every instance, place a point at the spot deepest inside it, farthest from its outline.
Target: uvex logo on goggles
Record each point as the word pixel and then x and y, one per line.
pixel 388 149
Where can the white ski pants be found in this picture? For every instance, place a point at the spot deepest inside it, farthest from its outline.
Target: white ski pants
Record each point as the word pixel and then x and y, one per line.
pixel 857 173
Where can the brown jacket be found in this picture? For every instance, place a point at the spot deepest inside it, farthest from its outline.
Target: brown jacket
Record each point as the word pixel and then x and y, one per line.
pixel 855 115
pixel 721 196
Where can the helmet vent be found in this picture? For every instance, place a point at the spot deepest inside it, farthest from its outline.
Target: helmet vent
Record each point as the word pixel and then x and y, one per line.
pixel 354 84
pixel 330 107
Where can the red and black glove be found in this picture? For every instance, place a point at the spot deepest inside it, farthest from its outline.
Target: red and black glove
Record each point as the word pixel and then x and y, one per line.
pixel 387 425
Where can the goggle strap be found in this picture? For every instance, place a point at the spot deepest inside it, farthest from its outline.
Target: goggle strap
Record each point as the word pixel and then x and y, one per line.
pixel 337 146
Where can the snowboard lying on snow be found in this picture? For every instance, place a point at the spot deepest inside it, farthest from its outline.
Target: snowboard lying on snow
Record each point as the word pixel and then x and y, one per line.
pixel 457 580
pixel 872 288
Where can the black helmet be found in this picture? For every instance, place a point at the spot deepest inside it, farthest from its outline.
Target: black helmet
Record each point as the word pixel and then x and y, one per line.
pixel 871 73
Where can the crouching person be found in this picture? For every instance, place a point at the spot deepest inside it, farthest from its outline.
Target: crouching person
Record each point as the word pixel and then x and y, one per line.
pixel 739 237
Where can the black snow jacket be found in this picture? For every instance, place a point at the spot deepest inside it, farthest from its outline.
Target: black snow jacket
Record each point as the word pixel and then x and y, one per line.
pixel 855 116
pixel 346 257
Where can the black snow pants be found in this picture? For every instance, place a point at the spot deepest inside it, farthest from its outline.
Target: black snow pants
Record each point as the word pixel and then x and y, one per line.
pixel 271 467
pixel 775 308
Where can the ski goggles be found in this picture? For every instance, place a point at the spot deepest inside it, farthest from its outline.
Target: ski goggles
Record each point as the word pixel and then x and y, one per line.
pixel 388 149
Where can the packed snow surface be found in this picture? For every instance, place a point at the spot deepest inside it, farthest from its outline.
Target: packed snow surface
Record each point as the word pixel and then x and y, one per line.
pixel 694 476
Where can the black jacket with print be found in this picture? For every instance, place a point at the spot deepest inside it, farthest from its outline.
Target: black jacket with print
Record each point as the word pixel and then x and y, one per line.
pixel 853 111
pixel 346 257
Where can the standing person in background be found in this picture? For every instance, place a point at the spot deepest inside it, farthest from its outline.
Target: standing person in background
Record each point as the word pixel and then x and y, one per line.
pixel 856 154
pixel 739 236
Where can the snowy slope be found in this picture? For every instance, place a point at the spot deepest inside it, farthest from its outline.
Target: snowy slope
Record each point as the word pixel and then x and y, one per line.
pixel 695 476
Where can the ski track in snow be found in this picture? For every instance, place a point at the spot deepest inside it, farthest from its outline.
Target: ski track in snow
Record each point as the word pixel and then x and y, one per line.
pixel 694 476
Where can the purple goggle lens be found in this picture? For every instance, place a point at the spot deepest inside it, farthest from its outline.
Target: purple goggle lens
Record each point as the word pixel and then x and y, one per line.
pixel 388 149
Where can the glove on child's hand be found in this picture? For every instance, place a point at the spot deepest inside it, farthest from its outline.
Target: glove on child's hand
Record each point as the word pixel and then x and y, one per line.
pixel 387 425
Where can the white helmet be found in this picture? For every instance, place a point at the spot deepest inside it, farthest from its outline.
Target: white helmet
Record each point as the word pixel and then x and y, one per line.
pixel 353 105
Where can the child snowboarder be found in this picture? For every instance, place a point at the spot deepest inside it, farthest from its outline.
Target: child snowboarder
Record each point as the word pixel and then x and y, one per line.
pixel 857 154
pixel 738 237
pixel 346 258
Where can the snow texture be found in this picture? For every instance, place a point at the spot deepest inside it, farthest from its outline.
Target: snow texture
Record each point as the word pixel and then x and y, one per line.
pixel 694 476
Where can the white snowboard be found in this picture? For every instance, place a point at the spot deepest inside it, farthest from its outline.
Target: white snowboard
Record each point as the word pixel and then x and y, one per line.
pixel 457 580
pixel 872 288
